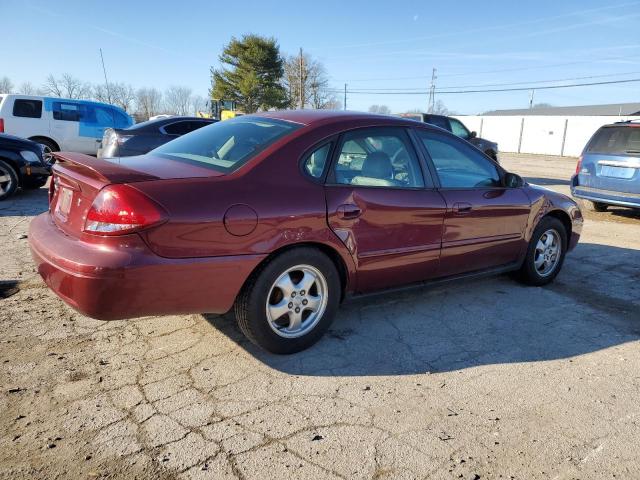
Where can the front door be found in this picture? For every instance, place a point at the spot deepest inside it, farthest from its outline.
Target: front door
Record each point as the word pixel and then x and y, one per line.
pixel 384 208
pixel 484 222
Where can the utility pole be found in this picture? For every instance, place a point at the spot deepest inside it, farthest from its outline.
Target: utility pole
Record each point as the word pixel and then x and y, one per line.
pixel 533 91
pixel 301 86
pixel 345 97
pixel 432 92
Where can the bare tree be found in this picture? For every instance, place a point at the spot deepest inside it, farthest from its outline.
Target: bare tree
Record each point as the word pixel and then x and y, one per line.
pixel 198 104
pixel 177 100
pixel 102 93
pixel 6 85
pixel 440 108
pixel 67 86
pixel 27 88
pixel 307 83
pixel 381 109
pixel 148 102
pixel 123 95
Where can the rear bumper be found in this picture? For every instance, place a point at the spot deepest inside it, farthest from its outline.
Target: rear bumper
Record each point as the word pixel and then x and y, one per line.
pixel 119 277
pixel 605 196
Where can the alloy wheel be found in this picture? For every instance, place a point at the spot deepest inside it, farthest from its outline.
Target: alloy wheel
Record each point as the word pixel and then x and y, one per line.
pixel 296 301
pixel 547 254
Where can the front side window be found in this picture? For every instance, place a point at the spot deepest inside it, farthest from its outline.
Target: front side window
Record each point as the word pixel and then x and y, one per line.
pixel 378 157
pixel 458 129
pixel 315 162
pixel 27 108
pixel 458 164
pixel 225 146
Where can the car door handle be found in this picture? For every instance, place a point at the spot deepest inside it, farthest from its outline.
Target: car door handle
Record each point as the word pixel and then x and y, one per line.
pixel 349 211
pixel 462 208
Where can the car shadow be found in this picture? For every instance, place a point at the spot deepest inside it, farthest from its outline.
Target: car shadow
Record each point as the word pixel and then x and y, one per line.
pixel 25 203
pixel 548 181
pixel 468 324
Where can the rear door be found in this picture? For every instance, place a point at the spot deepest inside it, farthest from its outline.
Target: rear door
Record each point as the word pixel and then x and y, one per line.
pixel 611 160
pixel 384 208
pixel 484 221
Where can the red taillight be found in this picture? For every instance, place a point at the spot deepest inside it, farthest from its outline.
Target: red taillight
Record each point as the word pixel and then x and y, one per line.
pixel 1 125
pixel 120 209
pixel 579 165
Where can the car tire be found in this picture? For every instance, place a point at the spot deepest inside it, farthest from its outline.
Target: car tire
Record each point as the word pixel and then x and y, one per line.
pixel 10 181
pixel 545 253
pixel 290 301
pixel 599 206
pixel 48 148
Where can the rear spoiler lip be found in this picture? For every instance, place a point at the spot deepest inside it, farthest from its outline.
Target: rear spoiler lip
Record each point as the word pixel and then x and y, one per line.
pixel 98 169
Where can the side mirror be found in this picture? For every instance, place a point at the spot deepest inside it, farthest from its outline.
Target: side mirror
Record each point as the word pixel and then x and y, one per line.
pixel 511 180
pixel 473 134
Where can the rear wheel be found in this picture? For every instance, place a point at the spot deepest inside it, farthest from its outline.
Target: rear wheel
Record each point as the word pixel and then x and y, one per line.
pixel 545 253
pixel 48 147
pixel 288 304
pixel 599 206
pixel 8 180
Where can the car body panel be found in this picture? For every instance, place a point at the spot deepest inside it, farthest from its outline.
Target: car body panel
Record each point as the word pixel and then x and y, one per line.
pixel 220 227
pixel 28 173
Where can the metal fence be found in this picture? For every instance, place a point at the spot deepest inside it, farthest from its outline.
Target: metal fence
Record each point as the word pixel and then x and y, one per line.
pixel 547 135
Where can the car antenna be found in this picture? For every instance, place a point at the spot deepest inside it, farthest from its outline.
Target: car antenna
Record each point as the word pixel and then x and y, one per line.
pixel 106 82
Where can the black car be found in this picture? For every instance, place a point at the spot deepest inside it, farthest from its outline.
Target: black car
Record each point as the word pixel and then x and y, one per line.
pixel 458 128
pixel 143 137
pixel 22 164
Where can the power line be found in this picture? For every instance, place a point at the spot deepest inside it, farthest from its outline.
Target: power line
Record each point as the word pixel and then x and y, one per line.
pixel 494 90
pixel 500 84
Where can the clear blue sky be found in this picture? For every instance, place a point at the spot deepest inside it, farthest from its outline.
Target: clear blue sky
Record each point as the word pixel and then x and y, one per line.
pixel 367 44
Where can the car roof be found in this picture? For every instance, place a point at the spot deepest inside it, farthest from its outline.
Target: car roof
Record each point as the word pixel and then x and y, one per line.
pixel 159 122
pixel 324 117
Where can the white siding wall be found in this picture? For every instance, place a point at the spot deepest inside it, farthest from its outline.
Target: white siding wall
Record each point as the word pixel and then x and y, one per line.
pixel 540 134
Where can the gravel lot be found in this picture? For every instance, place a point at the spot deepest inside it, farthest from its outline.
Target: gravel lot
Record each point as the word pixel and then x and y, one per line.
pixel 482 379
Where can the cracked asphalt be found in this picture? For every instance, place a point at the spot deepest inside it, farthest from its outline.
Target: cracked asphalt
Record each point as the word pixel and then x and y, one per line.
pixel 473 380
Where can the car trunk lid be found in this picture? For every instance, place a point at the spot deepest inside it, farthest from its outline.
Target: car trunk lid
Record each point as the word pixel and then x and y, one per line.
pixel 77 180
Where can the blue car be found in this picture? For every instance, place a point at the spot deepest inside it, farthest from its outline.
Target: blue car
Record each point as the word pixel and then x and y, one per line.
pixel 608 172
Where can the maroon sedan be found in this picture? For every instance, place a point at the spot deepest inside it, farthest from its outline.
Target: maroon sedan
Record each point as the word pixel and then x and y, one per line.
pixel 281 215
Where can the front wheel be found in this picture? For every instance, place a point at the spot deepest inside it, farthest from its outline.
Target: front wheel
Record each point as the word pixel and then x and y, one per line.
pixel 545 254
pixel 288 304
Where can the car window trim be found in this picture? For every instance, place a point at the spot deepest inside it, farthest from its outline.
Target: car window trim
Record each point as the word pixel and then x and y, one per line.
pixel 432 167
pixel 331 179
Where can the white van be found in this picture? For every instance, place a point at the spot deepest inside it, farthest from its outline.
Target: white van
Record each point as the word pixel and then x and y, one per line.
pixel 61 124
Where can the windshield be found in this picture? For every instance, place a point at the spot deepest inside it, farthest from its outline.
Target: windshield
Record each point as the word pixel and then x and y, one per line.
pixel 618 140
pixel 224 146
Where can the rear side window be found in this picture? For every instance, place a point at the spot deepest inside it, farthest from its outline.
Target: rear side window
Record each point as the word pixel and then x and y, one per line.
pixel 27 108
pixel 618 140
pixel 69 112
pixel 224 146
pixel 178 128
pixel 314 164
pixel 439 122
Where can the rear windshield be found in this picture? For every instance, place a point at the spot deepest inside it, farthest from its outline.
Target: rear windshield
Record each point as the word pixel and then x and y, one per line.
pixel 618 140
pixel 224 146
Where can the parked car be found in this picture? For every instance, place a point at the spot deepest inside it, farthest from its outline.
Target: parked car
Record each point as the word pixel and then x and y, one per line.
pixel 22 165
pixel 459 129
pixel 144 137
pixel 281 215
pixel 60 123
pixel 608 172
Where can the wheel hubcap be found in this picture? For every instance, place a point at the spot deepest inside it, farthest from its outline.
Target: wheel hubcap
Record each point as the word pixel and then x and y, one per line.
pixel 547 255
pixel 5 180
pixel 297 300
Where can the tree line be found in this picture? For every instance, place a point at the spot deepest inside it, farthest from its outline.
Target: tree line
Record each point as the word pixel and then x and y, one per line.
pixel 143 102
